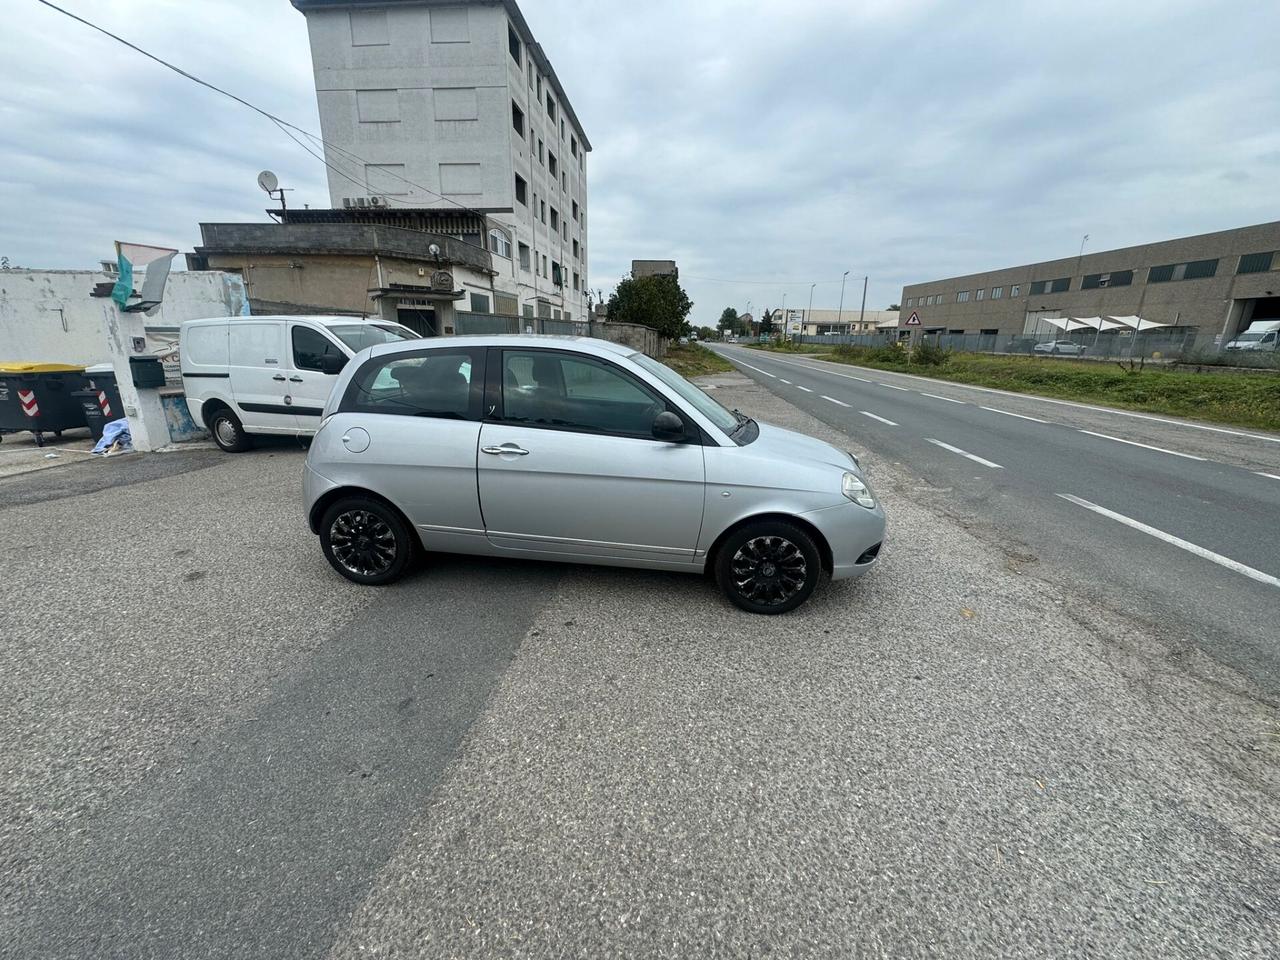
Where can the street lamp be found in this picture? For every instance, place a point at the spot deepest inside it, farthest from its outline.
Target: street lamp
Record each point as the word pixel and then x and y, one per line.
pixel 840 316
pixel 808 313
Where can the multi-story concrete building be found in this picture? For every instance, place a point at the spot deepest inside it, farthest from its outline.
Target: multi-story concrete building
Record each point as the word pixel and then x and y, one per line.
pixel 1214 284
pixel 434 106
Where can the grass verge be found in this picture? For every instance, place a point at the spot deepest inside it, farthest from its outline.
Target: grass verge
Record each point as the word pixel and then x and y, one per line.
pixel 1244 400
pixel 694 360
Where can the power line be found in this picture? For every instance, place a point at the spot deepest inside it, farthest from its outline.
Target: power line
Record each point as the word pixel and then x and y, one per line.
pixel 278 121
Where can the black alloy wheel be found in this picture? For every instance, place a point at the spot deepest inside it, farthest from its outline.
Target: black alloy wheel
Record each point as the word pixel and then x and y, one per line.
pixel 770 567
pixel 366 541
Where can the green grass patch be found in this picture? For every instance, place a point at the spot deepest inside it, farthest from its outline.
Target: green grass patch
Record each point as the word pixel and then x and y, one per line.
pixel 1246 400
pixel 695 360
pixel 789 346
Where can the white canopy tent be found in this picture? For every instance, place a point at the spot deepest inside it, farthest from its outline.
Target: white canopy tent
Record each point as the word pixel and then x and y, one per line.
pixel 1096 323
pixel 1138 324
pixel 1067 324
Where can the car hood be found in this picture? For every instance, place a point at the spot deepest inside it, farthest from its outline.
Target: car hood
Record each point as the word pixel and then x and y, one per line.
pixel 788 445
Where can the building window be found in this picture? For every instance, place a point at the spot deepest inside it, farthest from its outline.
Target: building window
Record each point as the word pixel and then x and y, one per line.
pixel 551 109
pixel 530 74
pixel 565 231
pixel 555 219
pixel 479 303
pixel 1195 270
pixel 575 280
pixel 962 296
pixel 564 182
pixel 1094 281
pixel 997 293
pixel 956 333
pixel 543 208
pixel 562 129
pixel 557 274
pixel 527 310
pixel 575 249
pixel 522 190
pixel 573 146
pixel 544 264
pixel 517 119
pixel 513 43
pixel 982 294
pixel 575 211
pixel 539 91
pixel 989 333
pixel 1255 263
pixel 524 256
pixel 500 243
pixel 1015 290
pixel 552 165
pixel 1040 287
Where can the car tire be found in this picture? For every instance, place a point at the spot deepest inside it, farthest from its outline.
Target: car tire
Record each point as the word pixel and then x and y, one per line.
pixel 769 567
pixel 367 541
pixel 228 432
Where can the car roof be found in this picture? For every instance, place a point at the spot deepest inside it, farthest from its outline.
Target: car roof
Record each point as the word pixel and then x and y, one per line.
pixel 589 345
pixel 327 320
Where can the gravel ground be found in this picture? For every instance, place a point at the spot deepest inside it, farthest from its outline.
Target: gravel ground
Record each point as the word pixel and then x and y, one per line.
pixel 947 758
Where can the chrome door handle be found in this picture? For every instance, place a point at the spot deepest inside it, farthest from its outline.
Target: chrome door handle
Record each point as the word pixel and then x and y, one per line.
pixel 279 376
pixel 295 379
pixel 510 448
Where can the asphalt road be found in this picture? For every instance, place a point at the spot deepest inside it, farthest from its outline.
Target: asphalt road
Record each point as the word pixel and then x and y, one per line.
pixel 212 746
pixel 1068 486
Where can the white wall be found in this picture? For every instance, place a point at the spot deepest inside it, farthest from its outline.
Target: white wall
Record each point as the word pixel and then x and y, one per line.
pixel 48 316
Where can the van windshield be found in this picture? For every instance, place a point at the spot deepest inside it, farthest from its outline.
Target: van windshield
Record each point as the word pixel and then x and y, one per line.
pixel 1250 337
pixel 357 336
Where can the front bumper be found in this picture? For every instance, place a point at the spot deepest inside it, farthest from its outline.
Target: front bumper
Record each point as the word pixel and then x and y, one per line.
pixel 854 534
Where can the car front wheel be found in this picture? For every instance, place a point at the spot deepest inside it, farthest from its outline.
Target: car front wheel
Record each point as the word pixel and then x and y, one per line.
pixel 769 567
pixel 366 541
pixel 228 432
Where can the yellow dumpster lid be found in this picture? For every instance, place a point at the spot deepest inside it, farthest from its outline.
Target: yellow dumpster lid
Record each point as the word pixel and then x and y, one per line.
pixel 24 366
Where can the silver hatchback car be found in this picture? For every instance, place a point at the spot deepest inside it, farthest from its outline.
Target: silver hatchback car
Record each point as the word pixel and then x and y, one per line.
pixel 577 450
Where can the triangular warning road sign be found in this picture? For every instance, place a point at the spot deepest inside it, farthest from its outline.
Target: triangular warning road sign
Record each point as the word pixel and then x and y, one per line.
pixel 913 320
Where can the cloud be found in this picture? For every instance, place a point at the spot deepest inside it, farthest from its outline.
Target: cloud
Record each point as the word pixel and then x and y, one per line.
pixel 781 143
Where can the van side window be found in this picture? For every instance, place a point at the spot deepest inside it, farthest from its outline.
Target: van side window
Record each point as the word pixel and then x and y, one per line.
pixel 311 347
pixel 434 383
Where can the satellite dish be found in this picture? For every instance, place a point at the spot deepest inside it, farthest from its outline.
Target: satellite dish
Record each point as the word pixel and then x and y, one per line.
pixel 268 182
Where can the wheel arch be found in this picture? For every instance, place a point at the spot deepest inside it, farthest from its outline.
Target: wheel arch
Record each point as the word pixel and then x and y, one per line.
pixel 824 548
pixel 330 497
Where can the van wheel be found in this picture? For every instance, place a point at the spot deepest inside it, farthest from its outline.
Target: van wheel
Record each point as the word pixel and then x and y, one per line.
pixel 768 567
pixel 228 433
pixel 366 541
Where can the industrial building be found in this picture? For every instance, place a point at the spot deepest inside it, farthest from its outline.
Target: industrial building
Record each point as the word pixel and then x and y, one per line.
pixel 1201 289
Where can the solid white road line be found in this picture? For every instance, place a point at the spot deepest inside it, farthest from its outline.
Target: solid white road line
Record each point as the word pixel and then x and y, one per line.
pixel 805 389
pixel 1039 399
pixel 1176 541
pixel 892 386
pixel 835 401
pixel 756 369
pixel 1020 416
pixel 936 397
pixel 868 413
pixel 1270 476
pixel 964 453
pixel 1147 446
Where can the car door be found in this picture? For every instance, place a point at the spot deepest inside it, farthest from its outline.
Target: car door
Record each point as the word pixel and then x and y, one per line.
pixel 568 464
pixel 316 359
pixel 259 379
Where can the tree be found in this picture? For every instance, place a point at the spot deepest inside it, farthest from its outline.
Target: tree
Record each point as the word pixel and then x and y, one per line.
pixel 895 307
pixel 766 322
pixel 728 321
pixel 658 302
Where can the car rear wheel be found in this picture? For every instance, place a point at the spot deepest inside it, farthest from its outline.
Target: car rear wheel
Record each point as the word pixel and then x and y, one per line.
pixel 228 432
pixel 366 541
pixel 769 567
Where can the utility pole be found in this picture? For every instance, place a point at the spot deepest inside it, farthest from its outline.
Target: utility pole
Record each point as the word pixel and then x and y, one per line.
pixel 808 312
pixel 863 315
pixel 840 314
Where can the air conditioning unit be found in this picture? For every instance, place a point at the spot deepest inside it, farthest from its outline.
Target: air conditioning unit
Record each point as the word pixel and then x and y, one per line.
pixel 377 201
pixel 347 202
pixel 362 201
pixel 110 267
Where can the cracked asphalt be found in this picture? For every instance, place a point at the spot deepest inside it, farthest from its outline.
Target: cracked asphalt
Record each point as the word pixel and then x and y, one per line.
pixel 213 747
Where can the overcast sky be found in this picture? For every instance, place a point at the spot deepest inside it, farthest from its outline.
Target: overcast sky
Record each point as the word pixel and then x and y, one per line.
pixel 774 142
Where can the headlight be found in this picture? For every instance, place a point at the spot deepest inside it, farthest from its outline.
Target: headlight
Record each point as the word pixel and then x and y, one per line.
pixel 857 491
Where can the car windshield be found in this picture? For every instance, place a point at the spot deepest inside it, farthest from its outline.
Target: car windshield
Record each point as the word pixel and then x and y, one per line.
pixel 699 400
pixel 357 336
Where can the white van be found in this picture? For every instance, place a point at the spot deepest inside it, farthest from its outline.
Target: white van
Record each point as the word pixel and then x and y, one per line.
pixel 1261 335
pixel 248 375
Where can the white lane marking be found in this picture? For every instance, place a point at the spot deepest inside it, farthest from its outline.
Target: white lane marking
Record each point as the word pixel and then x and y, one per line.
pixel 1146 446
pixel 756 369
pixel 892 387
pixel 868 413
pixel 1269 476
pixel 863 379
pixel 965 453
pixel 835 401
pixel 787 382
pixel 805 389
pixel 936 397
pixel 1020 416
pixel 1186 545
pixel 1040 399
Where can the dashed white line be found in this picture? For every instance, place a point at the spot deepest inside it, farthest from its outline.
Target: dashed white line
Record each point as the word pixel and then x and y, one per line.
pixel 805 389
pixel 1146 446
pixel 1020 416
pixel 787 382
pixel 835 401
pixel 1186 545
pixel 891 386
pixel 757 369
pixel 936 397
pixel 1269 476
pixel 965 453
pixel 868 413
pixel 852 377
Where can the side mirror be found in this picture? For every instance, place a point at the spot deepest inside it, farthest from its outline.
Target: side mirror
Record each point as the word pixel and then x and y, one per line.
pixel 667 426
pixel 332 363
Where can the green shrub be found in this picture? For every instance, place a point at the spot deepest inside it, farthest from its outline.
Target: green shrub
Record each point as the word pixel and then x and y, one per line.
pixel 929 354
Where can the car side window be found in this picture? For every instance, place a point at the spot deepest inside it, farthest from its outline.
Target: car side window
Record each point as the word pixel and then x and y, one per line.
pixel 310 347
pixel 435 383
pixel 549 389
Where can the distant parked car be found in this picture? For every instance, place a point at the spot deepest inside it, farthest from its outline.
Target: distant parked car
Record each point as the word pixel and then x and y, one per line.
pixel 580 451
pixel 684 340
pixel 1068 347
